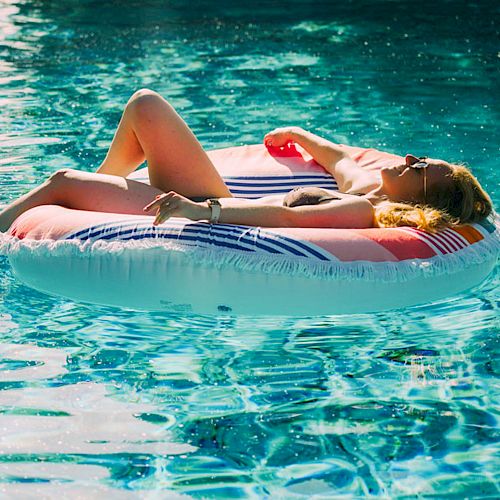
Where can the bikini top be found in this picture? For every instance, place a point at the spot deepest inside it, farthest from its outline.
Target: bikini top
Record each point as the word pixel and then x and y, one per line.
pixel 309 196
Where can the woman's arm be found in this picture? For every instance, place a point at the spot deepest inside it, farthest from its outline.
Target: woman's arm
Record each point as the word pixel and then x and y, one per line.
pixel 349 212
pixel 348 174
pixel 326 153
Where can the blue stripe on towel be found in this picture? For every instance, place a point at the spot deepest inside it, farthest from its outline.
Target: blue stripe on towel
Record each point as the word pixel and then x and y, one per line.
pixel 241 238
pixel 288 185
pixel 265 192
pixel 258 186
pixel 198 235
pixel 276 178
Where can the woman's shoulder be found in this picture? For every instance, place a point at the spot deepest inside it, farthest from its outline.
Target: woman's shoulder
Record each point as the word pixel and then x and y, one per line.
pixel 348 211
pixel 353 179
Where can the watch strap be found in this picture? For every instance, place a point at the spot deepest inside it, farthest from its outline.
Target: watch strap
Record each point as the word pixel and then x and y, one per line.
pixel 215 209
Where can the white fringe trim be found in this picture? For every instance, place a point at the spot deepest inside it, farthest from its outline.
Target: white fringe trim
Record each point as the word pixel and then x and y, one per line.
pixel 484 251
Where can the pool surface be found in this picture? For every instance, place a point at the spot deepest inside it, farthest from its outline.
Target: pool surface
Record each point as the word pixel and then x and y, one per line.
pixel 105 402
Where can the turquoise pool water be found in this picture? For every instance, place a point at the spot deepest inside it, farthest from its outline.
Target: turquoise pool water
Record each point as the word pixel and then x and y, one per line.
pixel 98 401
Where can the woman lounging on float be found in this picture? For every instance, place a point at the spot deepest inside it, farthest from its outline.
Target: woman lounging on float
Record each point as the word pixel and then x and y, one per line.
pixel 426 193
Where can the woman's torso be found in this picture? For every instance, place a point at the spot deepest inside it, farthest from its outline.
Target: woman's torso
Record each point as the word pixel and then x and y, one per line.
pixel 364 184
pixel 277 199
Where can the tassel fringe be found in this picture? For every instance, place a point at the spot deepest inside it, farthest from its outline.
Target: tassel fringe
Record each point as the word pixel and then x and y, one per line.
pixel 487 250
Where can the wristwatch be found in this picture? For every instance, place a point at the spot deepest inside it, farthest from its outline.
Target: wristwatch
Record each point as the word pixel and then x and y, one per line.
pixel 215 208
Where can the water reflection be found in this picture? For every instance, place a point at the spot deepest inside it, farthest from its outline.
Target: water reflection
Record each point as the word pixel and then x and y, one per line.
pixel 322 402
pixel 71 422
pixel 81 419
pixel 42 363
pixel 49 490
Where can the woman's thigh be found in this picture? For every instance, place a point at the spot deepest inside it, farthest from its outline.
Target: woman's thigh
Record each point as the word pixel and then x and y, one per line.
pixel 176 159
pixel 102 192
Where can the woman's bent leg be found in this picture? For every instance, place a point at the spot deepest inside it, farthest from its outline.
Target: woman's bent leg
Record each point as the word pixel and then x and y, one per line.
pixel 83 191
pixel 151 129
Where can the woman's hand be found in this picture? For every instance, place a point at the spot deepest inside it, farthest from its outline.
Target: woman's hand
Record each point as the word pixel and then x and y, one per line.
pixel 172 204
pixel 281 136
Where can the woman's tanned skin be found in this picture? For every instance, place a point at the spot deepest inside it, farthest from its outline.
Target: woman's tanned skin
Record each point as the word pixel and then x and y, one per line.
pixel 180 170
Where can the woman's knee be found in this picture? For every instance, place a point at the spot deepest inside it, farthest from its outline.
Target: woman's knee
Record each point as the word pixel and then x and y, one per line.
pixel 146 107
pixel 145 103
pixel 63 175
pixel 142 93
pixel 59 175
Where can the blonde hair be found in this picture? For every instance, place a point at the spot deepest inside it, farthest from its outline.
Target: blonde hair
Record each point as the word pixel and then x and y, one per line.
pixel 465 201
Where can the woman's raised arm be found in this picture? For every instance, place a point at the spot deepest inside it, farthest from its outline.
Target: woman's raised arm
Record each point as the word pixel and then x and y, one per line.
pixel 329 155
pixel 326 153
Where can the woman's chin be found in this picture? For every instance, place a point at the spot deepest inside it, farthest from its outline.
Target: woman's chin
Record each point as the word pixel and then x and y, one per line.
pixel 389 192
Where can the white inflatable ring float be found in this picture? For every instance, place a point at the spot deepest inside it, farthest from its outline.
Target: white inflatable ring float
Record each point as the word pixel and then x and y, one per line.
pixel 183 265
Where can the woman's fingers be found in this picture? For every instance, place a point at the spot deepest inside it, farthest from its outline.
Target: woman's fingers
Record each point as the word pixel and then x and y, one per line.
pixel 162 214
pixel 158 201
pixel 160 217
pixel 155 203
pixel 278 137
pixel 168 205
pixel 167 208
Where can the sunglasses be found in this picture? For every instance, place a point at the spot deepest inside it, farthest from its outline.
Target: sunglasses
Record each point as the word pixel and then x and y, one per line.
pixel 419 163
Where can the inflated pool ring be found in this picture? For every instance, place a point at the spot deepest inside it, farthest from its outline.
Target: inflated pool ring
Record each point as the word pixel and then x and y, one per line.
pixel 183 265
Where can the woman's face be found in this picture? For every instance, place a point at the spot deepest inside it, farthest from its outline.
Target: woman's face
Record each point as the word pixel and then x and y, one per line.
pixel 406 184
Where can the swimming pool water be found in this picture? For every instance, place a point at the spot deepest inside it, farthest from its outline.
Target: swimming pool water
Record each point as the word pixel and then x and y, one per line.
pixel 98 401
